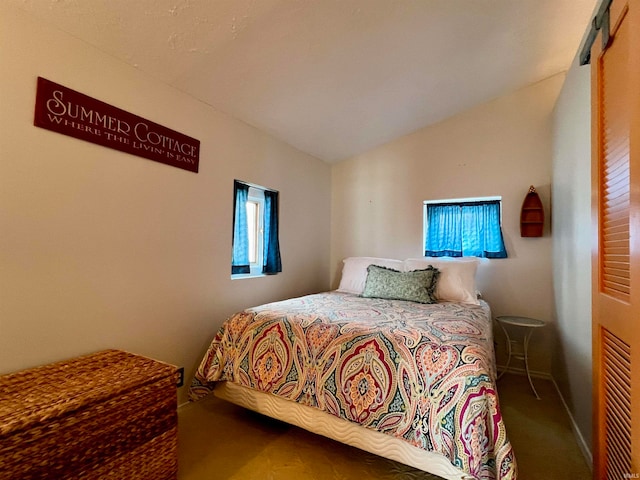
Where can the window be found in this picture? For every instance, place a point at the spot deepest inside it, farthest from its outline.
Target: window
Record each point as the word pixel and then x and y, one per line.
pixel 464 227
pixel 256 249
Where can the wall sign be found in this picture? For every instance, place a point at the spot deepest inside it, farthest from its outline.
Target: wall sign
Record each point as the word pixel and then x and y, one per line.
pixel 66 111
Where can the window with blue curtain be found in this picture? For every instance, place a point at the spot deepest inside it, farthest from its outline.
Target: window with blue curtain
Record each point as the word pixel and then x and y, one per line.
pixel 464 228
pixel 255 246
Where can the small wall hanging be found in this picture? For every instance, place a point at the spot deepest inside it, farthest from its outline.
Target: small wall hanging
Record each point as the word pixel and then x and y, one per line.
pixel 532 215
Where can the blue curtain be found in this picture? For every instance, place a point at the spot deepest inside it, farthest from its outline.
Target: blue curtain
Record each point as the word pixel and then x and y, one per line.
pixel 444 231
pixel 271 254
pixel 240 256
pixel 464 229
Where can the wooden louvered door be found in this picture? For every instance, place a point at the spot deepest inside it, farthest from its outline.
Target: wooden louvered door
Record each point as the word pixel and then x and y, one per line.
pixel 616 254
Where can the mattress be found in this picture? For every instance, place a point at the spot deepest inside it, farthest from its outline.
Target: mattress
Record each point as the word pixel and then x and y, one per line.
pixel 423 375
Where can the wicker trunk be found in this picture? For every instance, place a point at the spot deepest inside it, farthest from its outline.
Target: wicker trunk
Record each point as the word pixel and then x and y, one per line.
pixel 107 415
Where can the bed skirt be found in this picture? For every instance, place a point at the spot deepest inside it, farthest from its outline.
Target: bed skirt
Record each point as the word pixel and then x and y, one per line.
pixel 330 426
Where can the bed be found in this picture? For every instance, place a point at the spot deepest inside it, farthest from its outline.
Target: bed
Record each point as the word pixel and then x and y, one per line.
pixel 410 381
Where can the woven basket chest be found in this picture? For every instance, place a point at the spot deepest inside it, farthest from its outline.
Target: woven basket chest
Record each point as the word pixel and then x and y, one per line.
pixel 109 415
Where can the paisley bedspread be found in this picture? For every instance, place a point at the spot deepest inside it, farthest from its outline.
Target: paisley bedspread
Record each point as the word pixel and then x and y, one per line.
pixel 422 373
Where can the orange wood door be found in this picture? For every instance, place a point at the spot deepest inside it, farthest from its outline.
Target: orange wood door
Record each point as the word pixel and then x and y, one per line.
pixel 616 252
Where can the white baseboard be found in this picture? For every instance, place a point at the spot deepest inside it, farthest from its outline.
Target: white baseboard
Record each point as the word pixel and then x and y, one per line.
pixel 582 444
pixel 586 451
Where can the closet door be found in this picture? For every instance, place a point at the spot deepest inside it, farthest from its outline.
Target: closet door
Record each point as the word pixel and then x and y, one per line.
pixel 616 252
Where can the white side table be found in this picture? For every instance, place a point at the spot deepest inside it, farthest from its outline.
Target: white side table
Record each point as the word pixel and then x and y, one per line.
pixel 528 325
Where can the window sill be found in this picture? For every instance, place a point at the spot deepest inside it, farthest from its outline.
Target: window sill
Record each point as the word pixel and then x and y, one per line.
pixel 240 276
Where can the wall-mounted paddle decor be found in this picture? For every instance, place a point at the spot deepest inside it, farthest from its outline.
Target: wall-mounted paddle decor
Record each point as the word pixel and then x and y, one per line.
pixel 532 215
pixel 66 111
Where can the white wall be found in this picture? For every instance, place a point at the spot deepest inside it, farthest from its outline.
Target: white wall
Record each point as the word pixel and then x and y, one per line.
pixel 572 246
pixel 499 148
pixel 102 249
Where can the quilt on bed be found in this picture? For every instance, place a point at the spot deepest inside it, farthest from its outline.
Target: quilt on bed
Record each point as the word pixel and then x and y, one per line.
pixel 422 373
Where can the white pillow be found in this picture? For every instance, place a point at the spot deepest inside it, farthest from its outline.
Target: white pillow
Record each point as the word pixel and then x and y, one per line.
pixel 457 280
pixel 354 272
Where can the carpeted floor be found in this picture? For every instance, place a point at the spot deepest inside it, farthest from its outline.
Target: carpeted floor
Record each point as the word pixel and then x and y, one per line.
pixel 218 440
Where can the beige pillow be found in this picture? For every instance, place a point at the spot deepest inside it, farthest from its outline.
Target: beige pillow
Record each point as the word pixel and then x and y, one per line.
pixel 457 280
pixel 354 272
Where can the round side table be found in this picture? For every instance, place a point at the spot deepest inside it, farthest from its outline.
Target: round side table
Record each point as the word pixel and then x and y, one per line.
pixel 528 325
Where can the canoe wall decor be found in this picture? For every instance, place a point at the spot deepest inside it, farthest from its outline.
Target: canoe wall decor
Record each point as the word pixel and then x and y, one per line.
pixel 532 215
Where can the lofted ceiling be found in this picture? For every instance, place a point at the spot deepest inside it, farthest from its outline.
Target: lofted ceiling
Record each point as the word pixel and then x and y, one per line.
pixel 333 78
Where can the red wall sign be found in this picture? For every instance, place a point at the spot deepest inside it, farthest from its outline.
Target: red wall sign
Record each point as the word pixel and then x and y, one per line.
pixel 72 113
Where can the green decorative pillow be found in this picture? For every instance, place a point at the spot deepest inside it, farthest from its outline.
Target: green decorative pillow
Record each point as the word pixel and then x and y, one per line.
pixel 415 286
